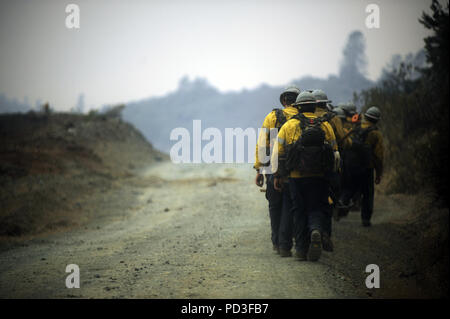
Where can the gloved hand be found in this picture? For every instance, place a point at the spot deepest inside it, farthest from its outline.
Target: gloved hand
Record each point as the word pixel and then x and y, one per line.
pixel 259 180
pixel 378 180
pixel 278 184
pixel 337 161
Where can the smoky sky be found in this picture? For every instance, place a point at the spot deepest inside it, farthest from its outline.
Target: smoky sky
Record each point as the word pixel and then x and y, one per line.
pixel 128 50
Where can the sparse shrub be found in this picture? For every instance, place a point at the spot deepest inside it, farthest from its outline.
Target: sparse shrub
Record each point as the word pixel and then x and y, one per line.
pixel 115 111
pixel 45 108
pixel 92 114
pixel 415 115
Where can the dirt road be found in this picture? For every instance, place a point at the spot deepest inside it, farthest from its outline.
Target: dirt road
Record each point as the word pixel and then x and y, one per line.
pixel 197 231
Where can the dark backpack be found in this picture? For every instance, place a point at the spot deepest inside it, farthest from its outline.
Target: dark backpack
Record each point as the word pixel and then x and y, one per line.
pixel 310 154
pixel 357 158
pixel 327 117
pixel 281 118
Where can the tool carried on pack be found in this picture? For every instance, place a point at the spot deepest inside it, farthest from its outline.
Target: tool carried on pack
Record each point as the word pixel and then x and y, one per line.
pixel 310 154
pixel 358 156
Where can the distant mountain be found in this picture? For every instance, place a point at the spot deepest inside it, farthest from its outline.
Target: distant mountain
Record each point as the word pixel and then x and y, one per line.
pixel 12 106
pixel 197 99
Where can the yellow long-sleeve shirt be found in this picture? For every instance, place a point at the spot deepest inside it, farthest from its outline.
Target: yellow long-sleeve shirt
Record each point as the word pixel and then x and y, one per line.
pixel 347 124
pixel 337 127
pixel 375 139
pixel 270 122
pixel 291 132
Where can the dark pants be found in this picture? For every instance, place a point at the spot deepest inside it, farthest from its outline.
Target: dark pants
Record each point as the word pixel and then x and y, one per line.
pixel 310 207
pixel 281 218
pixel 286 221
pixel 334 191
pixel 362 182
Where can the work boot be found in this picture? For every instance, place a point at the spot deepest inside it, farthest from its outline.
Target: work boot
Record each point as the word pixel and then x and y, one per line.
pixel 300 255
pixel 342 209
pixel 315 247
pixel 356 207
pixel 276 249
pixel 327 244
pixel 285 252
pixel 366 223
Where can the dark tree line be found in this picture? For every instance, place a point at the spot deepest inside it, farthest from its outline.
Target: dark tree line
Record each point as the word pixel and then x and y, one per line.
pixel 415 113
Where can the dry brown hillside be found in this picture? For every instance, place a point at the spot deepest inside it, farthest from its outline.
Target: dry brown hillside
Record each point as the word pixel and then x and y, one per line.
pixel 53 165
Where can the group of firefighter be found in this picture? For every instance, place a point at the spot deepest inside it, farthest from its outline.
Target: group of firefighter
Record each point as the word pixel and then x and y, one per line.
pixel 318 161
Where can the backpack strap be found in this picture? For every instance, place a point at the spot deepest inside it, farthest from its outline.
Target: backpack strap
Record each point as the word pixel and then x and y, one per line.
pixel 281 118
pixel 362 132
pixel 365 132
pixel 302 120
pixel 327 117
pixel 353 130
pixel 307 121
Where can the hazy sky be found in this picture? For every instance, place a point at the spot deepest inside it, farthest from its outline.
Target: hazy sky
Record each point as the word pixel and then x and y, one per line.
pixel 128 50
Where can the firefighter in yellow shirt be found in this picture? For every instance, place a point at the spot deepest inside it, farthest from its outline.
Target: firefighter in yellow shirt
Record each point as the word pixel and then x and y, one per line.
pixel 335 121
pixel 350 121
pixel 361 160
pixel 350 113
pixel 322 111
pixel 279 202
pixel 304 153
pixel 340 116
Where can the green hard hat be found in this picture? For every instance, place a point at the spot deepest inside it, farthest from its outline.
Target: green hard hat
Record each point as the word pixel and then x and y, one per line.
pixel 291 89
pixel 373 113
pixel 339 112
pixel 320 96
pixel 349 108
pixel 305 98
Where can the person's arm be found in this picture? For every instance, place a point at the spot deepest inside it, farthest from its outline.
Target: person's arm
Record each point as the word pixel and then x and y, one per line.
pixel 329 135
pixel 262 145
pixel 277 161
pixel 341 138
pixel 331 139
pixel 378 157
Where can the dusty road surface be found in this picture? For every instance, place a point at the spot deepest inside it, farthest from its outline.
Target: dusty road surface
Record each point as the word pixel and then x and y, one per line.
pixel 194 231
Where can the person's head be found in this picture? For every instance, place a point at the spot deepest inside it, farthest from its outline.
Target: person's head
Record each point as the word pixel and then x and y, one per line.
pixel 373 114
pixel 306 102
pixel 289 95
pixel 349 109
pixel 339 112
pixel 321 99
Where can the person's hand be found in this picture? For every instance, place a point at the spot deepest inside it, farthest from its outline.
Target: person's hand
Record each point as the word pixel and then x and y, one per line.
pixel 278 184
pixel 378 180
pixel 259 180
pixel 337 161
